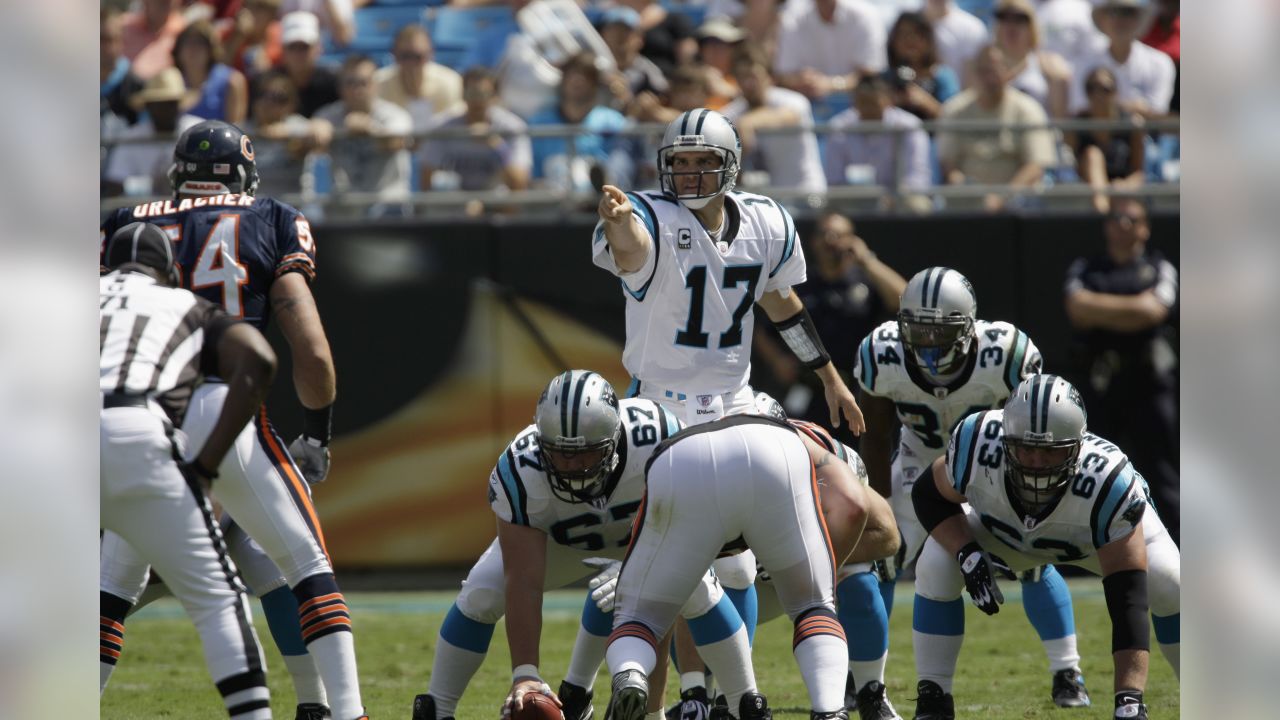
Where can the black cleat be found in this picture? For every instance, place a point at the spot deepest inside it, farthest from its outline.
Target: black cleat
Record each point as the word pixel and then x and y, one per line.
pixel 424 708
pixel 630 696
pixel 753 706
pixel 577 701
pixel 693 705
pixel 932 703
pixel 1068 689
pixel 850 693
pixel 873 703
pixel 837 715
pixel 312 711
pixel 720 709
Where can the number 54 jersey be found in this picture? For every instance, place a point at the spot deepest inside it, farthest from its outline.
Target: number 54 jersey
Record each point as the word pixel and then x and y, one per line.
pixel 229 248
pixel 520 490
pixel 1104 502
pixel 1002 356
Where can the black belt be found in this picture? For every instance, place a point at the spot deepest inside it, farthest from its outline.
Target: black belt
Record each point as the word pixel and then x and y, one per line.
pixel 119 400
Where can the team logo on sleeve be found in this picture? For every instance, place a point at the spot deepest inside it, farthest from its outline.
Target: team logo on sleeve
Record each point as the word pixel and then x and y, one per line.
pixel 684 239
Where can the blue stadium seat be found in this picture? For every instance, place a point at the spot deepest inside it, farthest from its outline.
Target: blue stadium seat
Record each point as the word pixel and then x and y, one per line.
pixel 825 108
pixel 376 27
pixel 981 8
pixel 396 3
pixel 471 36
pixel 695 13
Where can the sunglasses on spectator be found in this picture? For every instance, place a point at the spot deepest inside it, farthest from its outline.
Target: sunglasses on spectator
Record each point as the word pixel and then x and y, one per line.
pixel 1013 17
pixel 1127 13
pixel 277 98
pixel 356 81
pixel 412 57
pixel 1094 87
pixel 1126 220
pixel 298 47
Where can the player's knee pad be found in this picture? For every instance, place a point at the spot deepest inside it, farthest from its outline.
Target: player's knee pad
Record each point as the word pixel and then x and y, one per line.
pixel 938 574
pixel 482 604
pixel 736 571
pixel 706 596
pixel 123 574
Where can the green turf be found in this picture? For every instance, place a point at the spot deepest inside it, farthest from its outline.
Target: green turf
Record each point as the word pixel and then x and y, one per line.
pixel 1002 671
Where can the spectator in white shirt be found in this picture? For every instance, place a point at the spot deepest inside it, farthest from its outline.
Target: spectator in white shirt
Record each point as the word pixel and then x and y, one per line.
pixel 1066 28
pixel 828 47
pixel 496 155
pixel 1144 75
pixel 790 158
pixel 959 34
pixel 1043 75
pixel 898 159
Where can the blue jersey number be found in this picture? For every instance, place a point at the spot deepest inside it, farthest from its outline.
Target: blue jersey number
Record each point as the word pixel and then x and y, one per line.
pixel 696 283
pixel 562 531
pixel 642 434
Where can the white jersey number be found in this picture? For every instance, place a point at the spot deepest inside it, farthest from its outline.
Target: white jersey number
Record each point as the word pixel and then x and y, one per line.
pixel 219 264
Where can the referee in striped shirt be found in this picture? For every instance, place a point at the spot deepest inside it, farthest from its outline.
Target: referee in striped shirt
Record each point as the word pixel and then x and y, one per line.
pixel 157 340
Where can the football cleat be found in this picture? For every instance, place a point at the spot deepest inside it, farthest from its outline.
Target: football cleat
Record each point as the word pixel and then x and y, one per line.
pixel 837 715
pixel 424 708
pixel 1068 689
pixel 720 708
pixel 577 701
pixel 753 706
pixel 630 696
pixel 873 703
pixel 312 711
pixel 693 705
pixel 932 703
pixel 850 693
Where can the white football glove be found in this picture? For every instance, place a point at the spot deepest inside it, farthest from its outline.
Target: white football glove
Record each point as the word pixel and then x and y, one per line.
pixel 604 585
pixel 311 457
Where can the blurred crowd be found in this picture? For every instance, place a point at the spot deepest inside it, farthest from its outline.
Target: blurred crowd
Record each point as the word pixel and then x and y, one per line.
pixel 379 99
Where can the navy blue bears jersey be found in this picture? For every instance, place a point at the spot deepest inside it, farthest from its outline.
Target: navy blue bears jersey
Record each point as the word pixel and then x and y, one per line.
pixel 229 248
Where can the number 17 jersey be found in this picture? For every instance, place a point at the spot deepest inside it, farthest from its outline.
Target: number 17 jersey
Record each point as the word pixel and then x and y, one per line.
pixel 229 249
pixel 1002 356
pixel 690 306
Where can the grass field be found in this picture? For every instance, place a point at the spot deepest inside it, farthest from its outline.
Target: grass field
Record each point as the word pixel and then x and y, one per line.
pixel 1002 671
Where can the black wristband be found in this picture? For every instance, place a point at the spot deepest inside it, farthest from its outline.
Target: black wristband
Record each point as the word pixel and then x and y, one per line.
pixel 801 335
pixel 318 424
pixel 931 508
pixel 1126 593
pixel 198 468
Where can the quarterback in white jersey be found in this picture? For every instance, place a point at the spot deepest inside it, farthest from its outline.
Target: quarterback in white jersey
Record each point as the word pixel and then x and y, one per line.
pixel 1040 488
pixel 565 491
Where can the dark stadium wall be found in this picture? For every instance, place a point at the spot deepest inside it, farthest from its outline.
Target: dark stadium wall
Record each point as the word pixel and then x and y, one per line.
pixel 444 334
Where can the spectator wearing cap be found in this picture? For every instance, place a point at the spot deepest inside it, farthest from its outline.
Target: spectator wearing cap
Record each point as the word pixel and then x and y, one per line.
pixel 828 47
pixel 717 39
pixel 959 34
pixel 142 168
pixel 147 36
pixel 1105 158
pixel 668 36
pixel 636 74
pixel 1144 76
pixel 1000 155
pixel 594 149
pixel 920 82
pixel 253 42
pixel 790 158
pixel 117 80
pixel 282 137
pixel 1043 75
pixel 336 16
pixel 497 155
pixel 423 88
pixel 895 160
pixel 369 151
pixel 215 91
pixel 317 85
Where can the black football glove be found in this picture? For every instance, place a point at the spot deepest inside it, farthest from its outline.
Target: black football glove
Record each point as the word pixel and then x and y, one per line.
pixel 1129 706
pixel 978 579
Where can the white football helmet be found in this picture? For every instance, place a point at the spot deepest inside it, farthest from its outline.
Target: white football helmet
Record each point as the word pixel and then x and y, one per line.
pixel 579 429
pixel 700 130
pixel 1044 413
pixel 936 320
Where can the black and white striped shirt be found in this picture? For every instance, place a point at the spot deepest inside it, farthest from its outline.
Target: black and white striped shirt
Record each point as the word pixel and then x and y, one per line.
pixel 155 340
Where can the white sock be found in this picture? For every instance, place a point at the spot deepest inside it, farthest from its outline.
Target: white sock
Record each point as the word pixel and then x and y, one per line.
pixel 451 671
pixel 822 660
pixel 730 661
pixel 588 655
pixel 630 653
pixel 335 657
pixel 307 684
pixel 692 680
pixel 864 671
pixel 936 657
pixel 1062 653
pixel 1173 653
pixel 655 715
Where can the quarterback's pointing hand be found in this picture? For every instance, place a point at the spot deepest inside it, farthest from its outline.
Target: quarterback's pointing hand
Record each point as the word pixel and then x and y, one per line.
pixel 614 206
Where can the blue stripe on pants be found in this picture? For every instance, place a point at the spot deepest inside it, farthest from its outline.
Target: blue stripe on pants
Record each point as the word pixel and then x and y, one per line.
pixel 860 607
pixel 938 618
pixel 718 623
pixel 745 602
pixel 461 631
pixel 1048 605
